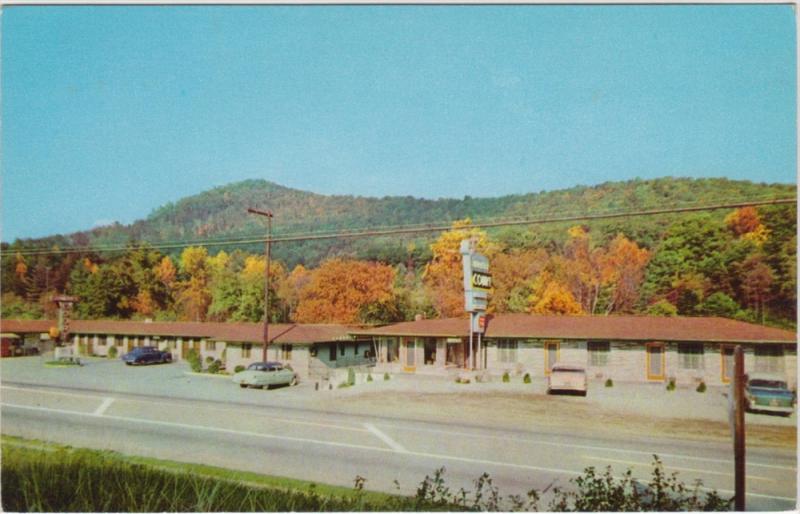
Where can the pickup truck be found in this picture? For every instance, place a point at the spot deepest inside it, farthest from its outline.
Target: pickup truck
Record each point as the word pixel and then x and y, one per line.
pixel 146 355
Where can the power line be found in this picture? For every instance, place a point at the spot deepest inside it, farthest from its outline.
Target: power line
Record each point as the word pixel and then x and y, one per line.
pixel 396 230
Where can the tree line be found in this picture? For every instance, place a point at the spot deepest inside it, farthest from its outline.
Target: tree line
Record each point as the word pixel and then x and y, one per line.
pixel 741 265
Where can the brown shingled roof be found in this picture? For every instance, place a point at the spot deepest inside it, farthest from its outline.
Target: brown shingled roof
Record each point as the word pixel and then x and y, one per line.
pixel 632 328
pixel 281 333
pixel 26 326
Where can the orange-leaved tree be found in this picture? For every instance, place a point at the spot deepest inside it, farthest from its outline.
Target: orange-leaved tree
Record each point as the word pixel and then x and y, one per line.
pixel 444 276
pixel 338 289
pixel 622 273
pixel 746 223
pixel 512 276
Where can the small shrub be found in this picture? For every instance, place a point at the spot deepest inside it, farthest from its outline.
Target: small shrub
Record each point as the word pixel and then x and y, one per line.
pixel 671 384
pixel 609 382
pixel 527 378
pixel 191 354
pixel 369 377
pixel 343 385
pixel 701 387
pixel 238 368
pixel 209 359
pixel 506 377
pixel 112 352
pixel 386 376
pixel 196 365
pixel 214 366
pixel 351 376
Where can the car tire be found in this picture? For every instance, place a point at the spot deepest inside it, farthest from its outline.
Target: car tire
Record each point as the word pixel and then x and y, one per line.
pixel 293 382
pixel 243 385
pixel 127 363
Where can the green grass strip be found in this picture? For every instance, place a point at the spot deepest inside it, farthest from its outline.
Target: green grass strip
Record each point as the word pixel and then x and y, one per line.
pixel 47 477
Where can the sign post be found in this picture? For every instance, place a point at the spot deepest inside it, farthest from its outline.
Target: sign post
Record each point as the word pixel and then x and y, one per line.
pixel 477 284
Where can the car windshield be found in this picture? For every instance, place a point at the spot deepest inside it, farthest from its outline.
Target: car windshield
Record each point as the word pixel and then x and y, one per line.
pixel 771 384
pixel 257 366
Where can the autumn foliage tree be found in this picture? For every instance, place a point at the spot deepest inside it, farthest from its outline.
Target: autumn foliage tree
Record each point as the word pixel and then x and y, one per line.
pixel 339 289
pixel 194 295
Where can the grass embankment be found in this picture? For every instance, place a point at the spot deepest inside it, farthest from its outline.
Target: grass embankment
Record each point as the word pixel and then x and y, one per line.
pixel 50 478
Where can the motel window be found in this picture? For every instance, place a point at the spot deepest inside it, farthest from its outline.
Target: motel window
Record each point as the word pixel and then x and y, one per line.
pixel 598 353
pixel 392 350
pixel 211 346
pixel 769 359
pixel 246 350
pixel 507 351
pixel 332 352
pixel 118 341
pixel 341 348
pixel 286 352
pixel 690 355
pixel 101 342
pixel 196 345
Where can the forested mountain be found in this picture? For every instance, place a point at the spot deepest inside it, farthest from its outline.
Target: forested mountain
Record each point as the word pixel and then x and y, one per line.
pixel 220 213
pixel 727 262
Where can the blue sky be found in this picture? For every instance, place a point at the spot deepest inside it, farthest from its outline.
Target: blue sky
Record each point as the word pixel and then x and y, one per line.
pixel 110 112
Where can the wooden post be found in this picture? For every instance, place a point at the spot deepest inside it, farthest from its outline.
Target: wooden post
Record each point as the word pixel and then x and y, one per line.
pixel 738 438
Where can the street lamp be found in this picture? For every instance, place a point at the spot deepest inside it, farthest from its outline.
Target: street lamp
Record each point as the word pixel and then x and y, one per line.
pixel 267 251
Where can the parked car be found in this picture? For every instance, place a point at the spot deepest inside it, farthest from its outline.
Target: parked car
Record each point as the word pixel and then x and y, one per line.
pixel 567 378
pixel 768 393
pixel 146 355
pixel 266 374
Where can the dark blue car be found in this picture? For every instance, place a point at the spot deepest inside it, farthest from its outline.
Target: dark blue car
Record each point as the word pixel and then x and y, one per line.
pixel 146 355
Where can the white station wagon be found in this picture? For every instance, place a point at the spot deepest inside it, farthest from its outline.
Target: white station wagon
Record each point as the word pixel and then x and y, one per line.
pixel 567 378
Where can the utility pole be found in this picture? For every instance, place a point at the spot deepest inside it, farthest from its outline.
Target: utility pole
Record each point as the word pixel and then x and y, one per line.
pixel 267 251
pixel 738 436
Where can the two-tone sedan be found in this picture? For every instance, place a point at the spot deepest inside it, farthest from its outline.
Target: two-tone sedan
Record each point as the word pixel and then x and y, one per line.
pixel 769 393
pixel 146 355
pixel 265 374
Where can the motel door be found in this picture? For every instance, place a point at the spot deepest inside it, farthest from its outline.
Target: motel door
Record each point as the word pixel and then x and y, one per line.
pixel 89 345
pixel 727 363
pixel 655 361
pixel 409 359
pixel 551 351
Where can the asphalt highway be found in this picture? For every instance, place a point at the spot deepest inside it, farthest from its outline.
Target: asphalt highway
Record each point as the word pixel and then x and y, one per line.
pixel 335 448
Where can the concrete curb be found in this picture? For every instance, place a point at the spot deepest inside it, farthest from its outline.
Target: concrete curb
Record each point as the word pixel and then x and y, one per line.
pixel 206 375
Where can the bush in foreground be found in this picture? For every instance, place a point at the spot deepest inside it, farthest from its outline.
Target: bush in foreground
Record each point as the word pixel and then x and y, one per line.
pixel 112 352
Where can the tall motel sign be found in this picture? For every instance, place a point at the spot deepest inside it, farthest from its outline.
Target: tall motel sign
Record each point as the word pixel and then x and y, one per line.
pixel 477 283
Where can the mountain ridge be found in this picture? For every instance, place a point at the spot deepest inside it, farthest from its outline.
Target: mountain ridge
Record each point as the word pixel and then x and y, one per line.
pixel 220 212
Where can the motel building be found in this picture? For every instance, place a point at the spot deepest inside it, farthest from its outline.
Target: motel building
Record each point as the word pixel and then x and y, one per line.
pixel 312 350
pixel 624 348
pixel 642 349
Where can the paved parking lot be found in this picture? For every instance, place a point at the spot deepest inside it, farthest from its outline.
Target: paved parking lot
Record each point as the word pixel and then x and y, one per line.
pixel 632 407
